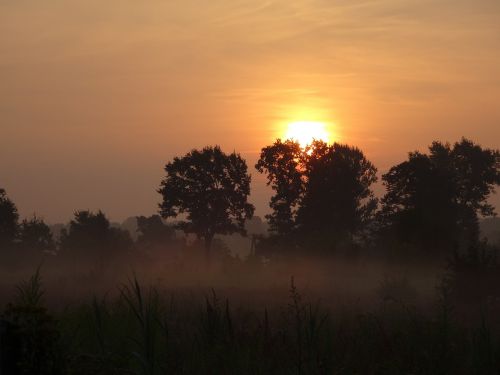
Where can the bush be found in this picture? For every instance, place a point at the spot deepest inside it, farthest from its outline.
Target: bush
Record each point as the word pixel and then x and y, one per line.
pixel 32 338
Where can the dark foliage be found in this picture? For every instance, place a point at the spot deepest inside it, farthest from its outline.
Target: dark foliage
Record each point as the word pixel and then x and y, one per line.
pixel 475 274
pixel 211 188
pixel 35 235
pixel 281 163
pixel 434 199
pixel 322 194
pixel 153 233
pixel 338 199
pixel 8 221
pixel 91 234
pixel 142 333
pixel 33 339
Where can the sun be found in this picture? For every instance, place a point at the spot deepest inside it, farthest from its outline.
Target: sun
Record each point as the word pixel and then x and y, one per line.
pixel 304 132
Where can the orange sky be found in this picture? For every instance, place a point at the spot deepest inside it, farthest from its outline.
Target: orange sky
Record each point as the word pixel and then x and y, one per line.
pixel 96 96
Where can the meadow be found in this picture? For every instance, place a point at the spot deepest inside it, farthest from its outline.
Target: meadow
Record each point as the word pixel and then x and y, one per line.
pixel 316 316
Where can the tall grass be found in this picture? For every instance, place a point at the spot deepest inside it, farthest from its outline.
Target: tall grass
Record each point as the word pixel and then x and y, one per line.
pixel 150 324
pixel 142 331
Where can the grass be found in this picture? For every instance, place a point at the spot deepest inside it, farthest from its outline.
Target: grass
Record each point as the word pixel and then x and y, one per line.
pixel 142 331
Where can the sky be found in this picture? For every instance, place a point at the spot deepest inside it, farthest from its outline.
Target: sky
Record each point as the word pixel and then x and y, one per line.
pixel 97 96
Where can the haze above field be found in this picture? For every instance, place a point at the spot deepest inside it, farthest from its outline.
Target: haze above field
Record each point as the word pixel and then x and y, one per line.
pixel 95 97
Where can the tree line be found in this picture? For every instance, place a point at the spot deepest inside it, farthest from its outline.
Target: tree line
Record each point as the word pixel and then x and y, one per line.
pixel 323 202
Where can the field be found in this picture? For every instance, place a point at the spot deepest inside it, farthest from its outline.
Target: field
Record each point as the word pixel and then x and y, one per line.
pixel 335 316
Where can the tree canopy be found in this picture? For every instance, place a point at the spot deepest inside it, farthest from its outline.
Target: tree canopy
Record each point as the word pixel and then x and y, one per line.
pixel 8 220
pixel 210 190
pixel 435 199
pixel 153 233
pixel 282 162
pixel 322 191
pixel 338 198
pixel 35 235
pixel 93 234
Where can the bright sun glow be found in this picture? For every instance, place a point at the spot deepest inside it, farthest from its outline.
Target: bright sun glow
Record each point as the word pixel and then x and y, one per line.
pixel 305 132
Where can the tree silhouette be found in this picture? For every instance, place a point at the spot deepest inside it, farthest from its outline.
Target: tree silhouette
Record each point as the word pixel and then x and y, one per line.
pixel 211 189
pixel 91 233
pixel 338 200
pixel 281 162
pixel 35 235
pixel 8 221
pixel 434 199
pixel 153 233
pixel 322 192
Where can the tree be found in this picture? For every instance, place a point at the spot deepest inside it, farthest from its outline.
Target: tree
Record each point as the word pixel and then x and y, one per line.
pixel 322 192
pixel 281 162
pixel 91 233
pixel 8 221
pixel 338 200
pixel 434 199
pixel 35 235
pixel 211 189
pixel 153 233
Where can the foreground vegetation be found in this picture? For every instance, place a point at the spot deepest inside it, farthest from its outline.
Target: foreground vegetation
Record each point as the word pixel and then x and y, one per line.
pixel 142 330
